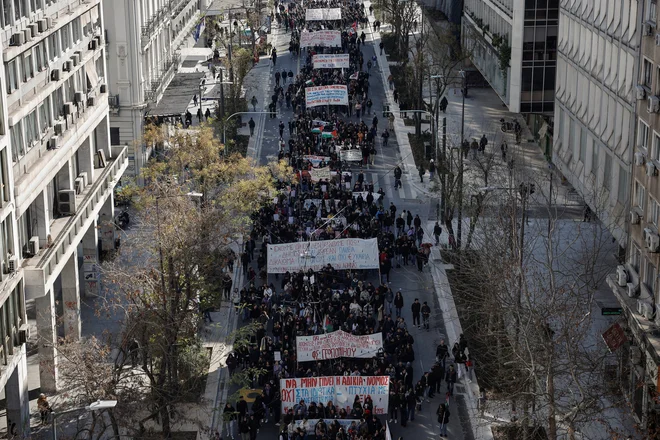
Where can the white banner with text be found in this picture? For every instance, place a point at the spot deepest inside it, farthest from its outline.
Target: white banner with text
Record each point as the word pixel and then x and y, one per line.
pixel 324 38
pixel 335 94
pixel 320 14
pixel 347 253
pixel 331 61
pixel 336 345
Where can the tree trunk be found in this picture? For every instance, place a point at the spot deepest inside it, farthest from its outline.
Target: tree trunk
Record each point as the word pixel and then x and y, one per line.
pixel 552 408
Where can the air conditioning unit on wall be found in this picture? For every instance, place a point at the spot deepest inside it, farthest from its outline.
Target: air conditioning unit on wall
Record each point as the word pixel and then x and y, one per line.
pixel 622 275
pixel 634 218
pixel 639 158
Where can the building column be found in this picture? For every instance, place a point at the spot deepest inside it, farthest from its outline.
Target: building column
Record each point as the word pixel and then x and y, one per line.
pixel 71 298
pixel 90 252
pixel 43 218
pixel 107 224
pixel 47 334
pixel 16 396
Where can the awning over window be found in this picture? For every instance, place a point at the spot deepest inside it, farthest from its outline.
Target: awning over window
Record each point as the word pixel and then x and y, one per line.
pixel 178 95
pixel 92 77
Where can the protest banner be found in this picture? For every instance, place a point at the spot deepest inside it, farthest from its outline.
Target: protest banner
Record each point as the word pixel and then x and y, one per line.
pixel 336 94
pixel 341 390
pixel 351 155
pixel 320 14
pixel 316 160
pixel 325 38
pixel 331 61
pixel 347 253
pixel 337 344
pixel 320 174
pixel 336 222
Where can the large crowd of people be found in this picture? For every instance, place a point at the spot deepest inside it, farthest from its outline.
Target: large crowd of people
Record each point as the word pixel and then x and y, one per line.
pixel 323 299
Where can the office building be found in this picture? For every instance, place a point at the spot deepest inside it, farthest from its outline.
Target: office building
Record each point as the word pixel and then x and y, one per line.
pixel 57 172
pixel 513 43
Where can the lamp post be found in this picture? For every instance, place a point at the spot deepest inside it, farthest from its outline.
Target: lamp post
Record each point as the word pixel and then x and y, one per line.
pixel 460 164
pixel 224 128
pixel 99 405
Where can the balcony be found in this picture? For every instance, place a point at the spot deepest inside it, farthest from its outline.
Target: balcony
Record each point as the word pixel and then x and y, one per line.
pixel 149 30
pixel 67 232
pixel 155 89
pixel 176 6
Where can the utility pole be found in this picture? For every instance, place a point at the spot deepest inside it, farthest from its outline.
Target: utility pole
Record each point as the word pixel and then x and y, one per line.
pixel 444 167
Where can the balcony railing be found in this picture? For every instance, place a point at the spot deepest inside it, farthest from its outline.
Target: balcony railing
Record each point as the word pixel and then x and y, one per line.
pixel 89 205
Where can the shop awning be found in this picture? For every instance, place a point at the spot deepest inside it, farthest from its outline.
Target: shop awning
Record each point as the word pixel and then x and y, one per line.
pixel 178 95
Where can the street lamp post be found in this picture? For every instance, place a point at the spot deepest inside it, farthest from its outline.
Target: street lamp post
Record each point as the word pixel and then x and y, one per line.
pixel 224 128
pixel 460 165
pixel 99 405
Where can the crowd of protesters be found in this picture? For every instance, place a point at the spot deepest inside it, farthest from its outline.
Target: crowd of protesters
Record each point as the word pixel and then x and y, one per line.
pixel 317 300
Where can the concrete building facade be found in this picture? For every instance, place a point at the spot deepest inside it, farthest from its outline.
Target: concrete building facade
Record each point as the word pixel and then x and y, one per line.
pixel 595 104
pixel 144 40
pixel 520 34
pixel 57 172
pixel 636 281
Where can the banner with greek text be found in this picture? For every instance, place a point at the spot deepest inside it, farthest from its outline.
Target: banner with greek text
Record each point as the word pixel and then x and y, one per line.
pixel 322 95
pixel 347 253
pixel 310 427
pixel 351 155
pixel 341 390
pixel 326 38
pixel 337 344
pixel 320 174
pixel 320 14
pixel 316 160
pixel 331 61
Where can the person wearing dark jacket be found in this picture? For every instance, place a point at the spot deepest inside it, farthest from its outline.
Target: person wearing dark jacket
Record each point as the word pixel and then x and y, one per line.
pixel 437 230
pixel 441 353
pixel 244 428
pixel 394 406
pixel 254 427
pixel 398 303
pixel 443 418
pixel 229 417
pixel 450 378
pixel 416 308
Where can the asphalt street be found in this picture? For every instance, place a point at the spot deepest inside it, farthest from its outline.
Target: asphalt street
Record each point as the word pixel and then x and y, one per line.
pixel 413 284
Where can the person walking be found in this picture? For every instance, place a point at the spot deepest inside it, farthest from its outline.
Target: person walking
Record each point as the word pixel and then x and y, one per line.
pixel 251 124
pixel 389 301
pixel 482 144
pixel 390 119
pixel 437 230
pixel 504 148
pixel 381 46
pixel 416 308
pixel 450 378
pixel 443 104
pixel 426 315
pixel 254 103
pixel 398 303
pixel 229 417
pixel 431 169
pixel 443 418
pixel 397 177
pixel 421 173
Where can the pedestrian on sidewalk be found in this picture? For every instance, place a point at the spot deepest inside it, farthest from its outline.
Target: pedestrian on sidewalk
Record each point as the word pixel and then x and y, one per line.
pixel 421 173
pixel 431 169
pixel 381 45
pixel 254 103
pixel 416 309
pixel 386 136
pixel 443 104
pixel 369 105
pixel 437 230
pixel 441 353
pixel 474 147
pixel 390 119
pixel 374 59
pixel 369 66
pixel 504 148
pixel 277 79
pixel 415 26
pixel 44 408
pixel 390 79
pixel 229 417
pixel 587 214
pixel 450 378
pixel 195 100
pixel 207 114
pixel 465 148
pixel 482 144
pixel 443 418
pixel 395 95
pixel 251 124
pixel 398 303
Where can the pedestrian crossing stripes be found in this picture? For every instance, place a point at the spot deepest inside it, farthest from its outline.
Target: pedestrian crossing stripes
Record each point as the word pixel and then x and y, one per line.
pixel 384 178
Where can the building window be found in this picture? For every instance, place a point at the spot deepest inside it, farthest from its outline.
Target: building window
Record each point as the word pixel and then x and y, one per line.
pixel 607 172
pixel 31 128
pixel 647 72
pixel 16 135
pixel 594 158
pixel 65 38
pixel 622 190
pixel 12 76
pixel 39 57
pixel 20 9
pixel 650 274
pixel 53 46
pixel 651 10
pixel 635 257
pixel 75 25
pixel 642 135
pixel 4 174
pixel 583 145
pixel 28 67
pixel 640 195
pixel 654 211
pixel 45 119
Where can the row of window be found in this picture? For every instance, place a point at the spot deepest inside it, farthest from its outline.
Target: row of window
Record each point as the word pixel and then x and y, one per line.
pixel 24 67
pixel 14 10
pixel 28 131
pixel 650 273
pixel 650 146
